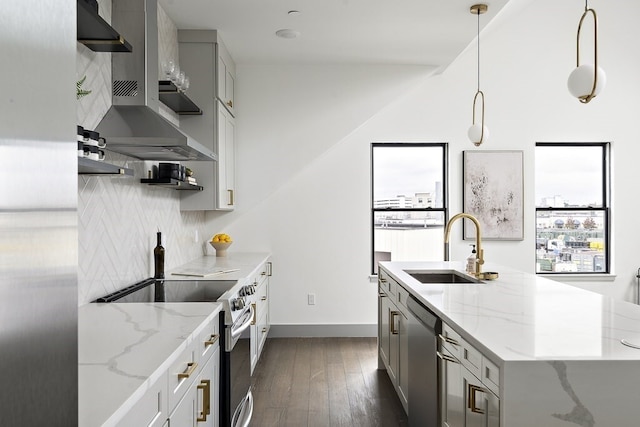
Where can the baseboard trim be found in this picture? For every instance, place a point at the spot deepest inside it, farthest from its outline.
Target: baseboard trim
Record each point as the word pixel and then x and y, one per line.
pixel 296 331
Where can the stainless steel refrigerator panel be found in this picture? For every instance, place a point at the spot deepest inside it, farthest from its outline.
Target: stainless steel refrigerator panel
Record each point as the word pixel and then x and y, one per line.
pixel 38 302
pixel 38 215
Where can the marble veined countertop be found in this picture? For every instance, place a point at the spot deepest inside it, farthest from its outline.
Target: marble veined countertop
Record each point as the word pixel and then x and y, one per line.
pixel 525 317
pixel 124 348
pixel 235 266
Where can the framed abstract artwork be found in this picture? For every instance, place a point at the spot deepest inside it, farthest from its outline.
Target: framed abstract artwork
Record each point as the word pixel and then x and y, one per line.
pixel 493 193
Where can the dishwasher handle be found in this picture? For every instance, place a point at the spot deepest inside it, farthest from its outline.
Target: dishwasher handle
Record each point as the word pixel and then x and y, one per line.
pixel 422 313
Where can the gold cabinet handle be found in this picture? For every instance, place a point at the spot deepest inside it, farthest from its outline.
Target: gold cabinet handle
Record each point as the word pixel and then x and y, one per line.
pixel 448 340
pixel 382 280
pixel 392 323
pixel 231 198
pixel 191 368
pixel 447 358
pixel 269 268
pixel 264 298
pixel 230 103
pixel 264 330
pixel 212 340
pixel 471 390
pixel 205 386
pixel 253 322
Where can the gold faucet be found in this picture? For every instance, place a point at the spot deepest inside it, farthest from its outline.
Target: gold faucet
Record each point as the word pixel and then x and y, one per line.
pixel 480 251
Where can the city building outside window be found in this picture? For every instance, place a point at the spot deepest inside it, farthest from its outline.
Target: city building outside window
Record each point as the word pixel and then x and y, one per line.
pixel 408 201
pixel 572 183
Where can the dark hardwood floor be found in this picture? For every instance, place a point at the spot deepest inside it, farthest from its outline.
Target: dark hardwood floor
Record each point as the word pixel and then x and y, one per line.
pixel 323 382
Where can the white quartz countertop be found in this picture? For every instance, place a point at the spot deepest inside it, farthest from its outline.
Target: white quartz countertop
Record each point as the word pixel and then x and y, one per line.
pixel 124 348
pixel 235 266
pixel 525 317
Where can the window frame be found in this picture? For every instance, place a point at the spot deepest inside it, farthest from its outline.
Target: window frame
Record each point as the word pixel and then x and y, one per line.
pixel 605 209
pixel 445 189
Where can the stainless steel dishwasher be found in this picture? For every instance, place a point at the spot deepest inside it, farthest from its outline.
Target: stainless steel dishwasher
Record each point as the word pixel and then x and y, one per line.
pixel 424 327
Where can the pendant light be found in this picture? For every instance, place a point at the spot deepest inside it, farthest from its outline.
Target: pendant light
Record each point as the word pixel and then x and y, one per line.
pixel 478 132
pixel 587 80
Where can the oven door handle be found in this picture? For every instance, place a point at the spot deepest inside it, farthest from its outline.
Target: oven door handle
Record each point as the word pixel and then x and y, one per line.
pixel 245 320
pixel 243 417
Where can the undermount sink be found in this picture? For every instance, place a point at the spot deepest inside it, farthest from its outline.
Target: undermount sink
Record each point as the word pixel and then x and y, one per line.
pixel 441 276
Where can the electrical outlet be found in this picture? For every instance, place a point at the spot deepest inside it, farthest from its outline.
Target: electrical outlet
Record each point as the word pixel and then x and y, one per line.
pixel 311 299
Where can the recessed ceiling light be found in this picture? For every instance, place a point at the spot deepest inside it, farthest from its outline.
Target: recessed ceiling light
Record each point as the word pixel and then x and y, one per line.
pixel 287 33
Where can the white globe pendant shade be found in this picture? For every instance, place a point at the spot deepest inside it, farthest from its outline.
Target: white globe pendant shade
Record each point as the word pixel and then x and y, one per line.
pixel 476 132
pixel 580 81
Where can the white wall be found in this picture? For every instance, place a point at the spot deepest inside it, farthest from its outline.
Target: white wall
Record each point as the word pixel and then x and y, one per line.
pixel 304 135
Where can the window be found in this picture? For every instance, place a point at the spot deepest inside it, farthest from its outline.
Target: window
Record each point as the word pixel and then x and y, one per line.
pixel 408 202
pixel 572 208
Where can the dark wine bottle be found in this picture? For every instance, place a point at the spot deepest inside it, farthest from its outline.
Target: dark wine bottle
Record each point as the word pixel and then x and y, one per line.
pixel 158 259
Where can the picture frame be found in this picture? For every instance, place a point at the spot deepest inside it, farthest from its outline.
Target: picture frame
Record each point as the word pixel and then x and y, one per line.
pixel 493 192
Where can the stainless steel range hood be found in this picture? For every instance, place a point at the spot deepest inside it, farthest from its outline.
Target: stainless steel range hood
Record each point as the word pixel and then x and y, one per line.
pixel 133 125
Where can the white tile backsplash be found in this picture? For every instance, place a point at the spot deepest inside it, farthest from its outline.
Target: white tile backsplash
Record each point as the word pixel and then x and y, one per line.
pixel 118 217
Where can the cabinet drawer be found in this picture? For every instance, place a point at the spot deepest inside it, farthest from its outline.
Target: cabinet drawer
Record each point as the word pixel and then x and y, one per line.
pixel 182 372
pixel 208 340
pixel 461 349
pixel 491 376
pixel 262 300
pixel 471 358
pixel 451 341
pixel 260 274
pixel 388 284
pixel 151 409
pixel 263 331
pixel 403 295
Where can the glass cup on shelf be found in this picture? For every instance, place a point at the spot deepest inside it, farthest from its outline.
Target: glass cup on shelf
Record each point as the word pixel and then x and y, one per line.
pixel 174 75
pixel 168 67
pixel 185 84
pixel 180 81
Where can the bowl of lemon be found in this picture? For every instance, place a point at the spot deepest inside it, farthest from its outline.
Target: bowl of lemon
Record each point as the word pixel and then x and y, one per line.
pixel 221 243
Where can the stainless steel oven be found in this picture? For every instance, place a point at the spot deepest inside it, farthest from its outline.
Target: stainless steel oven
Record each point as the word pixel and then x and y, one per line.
pixel 237 371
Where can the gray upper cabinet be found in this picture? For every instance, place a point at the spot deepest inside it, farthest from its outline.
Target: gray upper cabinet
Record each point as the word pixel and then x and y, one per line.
pixel 226 78
pixel 211 71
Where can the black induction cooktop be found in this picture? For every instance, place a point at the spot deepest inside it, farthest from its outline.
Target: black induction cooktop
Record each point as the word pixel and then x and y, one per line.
pixel 153 290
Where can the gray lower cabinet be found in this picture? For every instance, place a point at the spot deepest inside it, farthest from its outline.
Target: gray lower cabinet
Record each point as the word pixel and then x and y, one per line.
pixel 469 385
pixel 384 310
pixel 466 400
pixel 393 336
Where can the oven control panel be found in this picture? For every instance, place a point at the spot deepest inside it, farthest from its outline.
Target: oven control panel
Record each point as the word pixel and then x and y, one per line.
pixel 247 290
pixel 237 303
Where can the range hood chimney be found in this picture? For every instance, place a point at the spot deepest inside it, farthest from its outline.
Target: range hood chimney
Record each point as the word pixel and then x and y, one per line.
pixel 133 125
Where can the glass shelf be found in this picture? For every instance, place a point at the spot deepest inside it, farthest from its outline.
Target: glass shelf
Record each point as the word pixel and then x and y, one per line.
pixel 94 167
pixel 177 100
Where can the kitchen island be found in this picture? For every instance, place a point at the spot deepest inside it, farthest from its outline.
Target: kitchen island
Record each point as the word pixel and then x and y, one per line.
pixel 548 354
